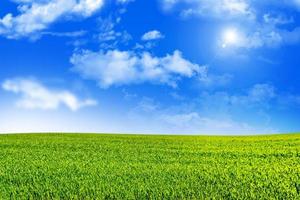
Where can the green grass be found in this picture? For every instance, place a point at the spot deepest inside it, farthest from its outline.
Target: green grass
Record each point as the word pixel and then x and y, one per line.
pixel 86 166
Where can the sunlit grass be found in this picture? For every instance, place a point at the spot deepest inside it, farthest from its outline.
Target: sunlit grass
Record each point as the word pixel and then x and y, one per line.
pixel 81 166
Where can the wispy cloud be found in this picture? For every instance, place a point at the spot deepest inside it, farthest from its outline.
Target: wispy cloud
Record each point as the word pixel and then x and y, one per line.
pixel 219 8
pixel 34 95
pixel 265 36
pixel 73 34
pixel 258 27
pixel 108 36
pixel 216 112
pixel 194 123
pixel 181 120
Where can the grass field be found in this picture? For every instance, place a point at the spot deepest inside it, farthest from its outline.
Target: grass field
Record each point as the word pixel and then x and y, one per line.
pixel 86 166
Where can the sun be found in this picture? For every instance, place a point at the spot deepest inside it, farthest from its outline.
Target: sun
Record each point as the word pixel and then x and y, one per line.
pixel 230 37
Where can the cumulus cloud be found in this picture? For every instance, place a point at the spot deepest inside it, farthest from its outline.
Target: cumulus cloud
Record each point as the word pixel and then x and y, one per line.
pixel 152 35
pixel 116 67
pixel 34 95
pixel 35 15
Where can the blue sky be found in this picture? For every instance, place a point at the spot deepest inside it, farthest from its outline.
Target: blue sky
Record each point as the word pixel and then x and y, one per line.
pixel 161 67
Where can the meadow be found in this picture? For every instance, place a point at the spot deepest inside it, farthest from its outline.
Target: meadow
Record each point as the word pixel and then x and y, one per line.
pixel 104 166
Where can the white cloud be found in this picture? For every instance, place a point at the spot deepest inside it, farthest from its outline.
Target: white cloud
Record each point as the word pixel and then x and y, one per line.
pixel 266 34
pixel 217 112
pixel 152 35
pixel 34 95
pixel 267 37
pixel 35 16
pixel 257 28
pixel 193 123
pixel 213 80
pixel 219 8
pixel 108 36
pixel 73 34
pixel 261 92
pixel 277 19
pixel 257 95
pixel 116 67
pixel 124 1
pixel 86 7
pixel 261 38
pixel 204 115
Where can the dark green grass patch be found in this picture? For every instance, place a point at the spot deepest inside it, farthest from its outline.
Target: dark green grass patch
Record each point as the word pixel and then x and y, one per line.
pixel 86 166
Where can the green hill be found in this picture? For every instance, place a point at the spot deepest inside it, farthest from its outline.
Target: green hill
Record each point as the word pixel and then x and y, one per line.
pixel 103 166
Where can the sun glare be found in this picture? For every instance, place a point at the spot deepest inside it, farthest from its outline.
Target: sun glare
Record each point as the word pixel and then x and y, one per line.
pixel 230 37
